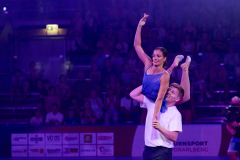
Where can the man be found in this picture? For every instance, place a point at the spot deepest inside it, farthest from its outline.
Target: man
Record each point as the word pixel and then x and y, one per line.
pixel 160 135
pixel 54 117
pixel 234 129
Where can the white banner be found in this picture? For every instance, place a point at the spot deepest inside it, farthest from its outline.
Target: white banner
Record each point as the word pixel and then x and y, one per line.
pixel 37 151
pixel 88 150
pixel 87 138
pixel 195 140
pixel 70 138
pixel 53 138
pixel 70 150
pixel 53 150
pixel 105 150
pixel 19 151
pixel 36 138
pixel 105 138
pixel 17 139
pixel 198 140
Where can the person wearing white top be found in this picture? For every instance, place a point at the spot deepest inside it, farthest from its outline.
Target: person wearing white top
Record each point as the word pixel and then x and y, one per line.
pixel 37 119
pixel 54 117
pixel 160 135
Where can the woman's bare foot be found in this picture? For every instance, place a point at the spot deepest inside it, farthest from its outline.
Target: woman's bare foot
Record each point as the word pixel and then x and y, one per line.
pixel 186 65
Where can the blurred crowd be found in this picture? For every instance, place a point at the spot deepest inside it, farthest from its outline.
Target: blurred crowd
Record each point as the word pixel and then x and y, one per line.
pixel 207 31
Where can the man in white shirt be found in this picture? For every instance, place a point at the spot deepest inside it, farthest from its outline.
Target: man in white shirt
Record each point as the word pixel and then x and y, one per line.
pixel 54 117
pixel 160 136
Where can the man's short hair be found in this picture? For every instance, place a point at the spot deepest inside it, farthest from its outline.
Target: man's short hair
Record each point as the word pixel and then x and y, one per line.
pixel 180 89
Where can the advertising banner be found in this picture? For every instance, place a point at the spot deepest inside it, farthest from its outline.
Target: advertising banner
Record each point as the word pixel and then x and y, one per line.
pixel 37 151
pixel 19 151
pixel 36 138
pixel 105 150
pixel 53 150
pixel 53 138
pixel 88 150
pixel 70 150
pixel 19 139
pixel 87 138
pixel 70 138
pixel 105 138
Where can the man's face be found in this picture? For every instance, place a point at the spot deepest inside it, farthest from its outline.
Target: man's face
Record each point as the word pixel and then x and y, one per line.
pixel 172 95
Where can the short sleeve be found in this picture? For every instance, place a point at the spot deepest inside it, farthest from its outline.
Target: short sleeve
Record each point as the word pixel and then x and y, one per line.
pixel 176 122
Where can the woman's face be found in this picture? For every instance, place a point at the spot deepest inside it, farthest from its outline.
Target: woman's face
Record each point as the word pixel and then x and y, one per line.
pixel 158 58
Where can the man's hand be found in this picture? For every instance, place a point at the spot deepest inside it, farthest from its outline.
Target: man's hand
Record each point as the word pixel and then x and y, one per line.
pixel 233 132
pixel 156 124
pixel 235 124
pixel 143 20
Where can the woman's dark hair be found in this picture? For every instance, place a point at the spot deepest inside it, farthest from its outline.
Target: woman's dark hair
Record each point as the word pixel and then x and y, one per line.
pixel 165 54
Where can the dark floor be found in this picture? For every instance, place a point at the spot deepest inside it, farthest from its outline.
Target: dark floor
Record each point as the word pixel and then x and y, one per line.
pixel 118 158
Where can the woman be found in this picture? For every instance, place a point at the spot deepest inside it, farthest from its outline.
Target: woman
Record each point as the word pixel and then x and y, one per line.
pixel 156 78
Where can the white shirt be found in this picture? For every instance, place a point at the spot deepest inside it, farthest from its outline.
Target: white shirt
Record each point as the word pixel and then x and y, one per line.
pixel 35 121
pixel 51 117
pixel 126 103
pixel 171 120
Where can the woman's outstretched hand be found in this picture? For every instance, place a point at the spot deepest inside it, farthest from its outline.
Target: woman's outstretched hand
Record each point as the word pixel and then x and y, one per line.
pixel 143 20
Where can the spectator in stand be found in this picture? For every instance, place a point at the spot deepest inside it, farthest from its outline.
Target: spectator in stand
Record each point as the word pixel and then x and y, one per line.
pixel 105 43
pixel 117 62
pixel 173 30
pixel 161 31
pixel 107 70
pixel 76 25
pixel 88 116
pixel 32 77
pixel 54 117
pixel 135 82
pixel 153 41
pixel 37 119
pixel 44 91
pixel 122 46
pixel 17 85
pixel 95 75
pixel 97 106
pixel 190 30
pixel 171 44
pixel 218 81
pixel 63 91
pixel 111 107
pixel 99 58
pixel 231 61
pixel 125 32
pixel 113 84
pixel 80 89
pixel 201 44
pixel 204 28
pixel 201 74
pixel 132 60
pixel 126 76
pixel 71 119
pixel 128 109
pixel 220 45
pixel 235 42
pixel 91 26
pixel 140 70
pixel 52 98
pixel 221 29
pixel 187 46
